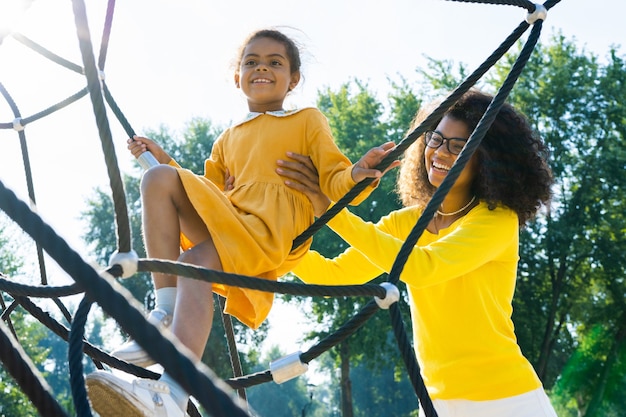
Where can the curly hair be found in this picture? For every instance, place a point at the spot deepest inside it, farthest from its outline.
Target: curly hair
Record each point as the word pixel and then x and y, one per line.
pixel 512 168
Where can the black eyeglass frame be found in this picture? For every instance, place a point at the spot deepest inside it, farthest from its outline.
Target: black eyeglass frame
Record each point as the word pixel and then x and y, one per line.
pixel 428 136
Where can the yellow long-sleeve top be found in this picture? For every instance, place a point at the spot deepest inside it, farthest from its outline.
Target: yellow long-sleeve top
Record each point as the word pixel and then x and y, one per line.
pixel 253 225
pixel 460 284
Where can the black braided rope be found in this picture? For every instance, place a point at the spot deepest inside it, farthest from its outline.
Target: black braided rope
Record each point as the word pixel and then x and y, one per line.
pixel 31 192
pixel 7 311
pixel 58 106
pixel 352 325
pixel 250 380
pixel 20 367
pixel 106 34
pixel 97 355
pixel 349 328
pixel 344 331
pixel 77 380
pixel 235 362
pixel 197 380
pixel 92 351
pixel 47 53
pixel 528 5
pixel 407 352
pixel 472 144
pixel 244 281
pixel 93 85
pixel 6 318
pixel 117 112
pixel 46 291
pixel 469 82
pixel 27 167
pixel 74 355
pixel 58 329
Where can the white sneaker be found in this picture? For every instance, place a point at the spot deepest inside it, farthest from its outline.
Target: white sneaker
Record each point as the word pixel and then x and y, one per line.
pixel 112 396
pixel 132 352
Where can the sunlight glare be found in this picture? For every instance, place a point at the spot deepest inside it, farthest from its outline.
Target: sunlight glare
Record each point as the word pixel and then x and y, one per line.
pixel 11 12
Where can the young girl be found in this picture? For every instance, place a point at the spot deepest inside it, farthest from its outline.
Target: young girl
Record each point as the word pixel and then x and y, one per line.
pixel 461 274
pixel 247 230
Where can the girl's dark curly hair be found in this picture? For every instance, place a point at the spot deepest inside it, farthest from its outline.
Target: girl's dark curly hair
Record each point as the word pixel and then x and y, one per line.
pixel 512 168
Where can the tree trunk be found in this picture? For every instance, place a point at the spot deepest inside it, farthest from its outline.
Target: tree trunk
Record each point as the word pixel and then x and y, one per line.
pixel 549 334
pixel 346 383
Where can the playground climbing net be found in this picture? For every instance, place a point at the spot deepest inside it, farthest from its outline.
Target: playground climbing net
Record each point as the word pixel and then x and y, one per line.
pixel 100 286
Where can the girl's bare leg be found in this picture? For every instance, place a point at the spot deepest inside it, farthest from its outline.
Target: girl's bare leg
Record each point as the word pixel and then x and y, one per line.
pixel 165 206
pixel 167 210
pixel 193 315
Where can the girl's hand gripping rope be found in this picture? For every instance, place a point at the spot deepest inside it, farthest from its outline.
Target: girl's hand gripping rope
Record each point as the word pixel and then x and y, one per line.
pixel 147 152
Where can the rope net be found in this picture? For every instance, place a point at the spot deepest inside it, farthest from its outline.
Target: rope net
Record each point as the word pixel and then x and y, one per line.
pixel 101 287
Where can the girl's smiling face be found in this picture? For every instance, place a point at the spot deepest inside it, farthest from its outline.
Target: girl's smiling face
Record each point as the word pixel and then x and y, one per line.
pixel 265 75
pixel 438 161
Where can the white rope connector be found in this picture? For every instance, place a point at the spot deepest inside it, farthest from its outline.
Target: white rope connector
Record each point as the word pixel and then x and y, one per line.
pixel 127 260
pixel 392 296
pixel 17 124
pixel 540 13
pixel 101 76
pixel 288 367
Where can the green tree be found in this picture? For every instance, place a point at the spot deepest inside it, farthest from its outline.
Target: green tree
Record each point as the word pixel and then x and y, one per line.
pixel 383 390
pixel 13 402
pixel 571 266
pixel 46 351
pixel 569 308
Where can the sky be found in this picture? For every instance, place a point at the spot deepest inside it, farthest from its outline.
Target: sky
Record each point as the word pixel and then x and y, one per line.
pixel 170 60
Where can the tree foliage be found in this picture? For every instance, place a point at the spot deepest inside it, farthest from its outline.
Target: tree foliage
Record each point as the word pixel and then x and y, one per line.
pixel 569 308
pixel 572 265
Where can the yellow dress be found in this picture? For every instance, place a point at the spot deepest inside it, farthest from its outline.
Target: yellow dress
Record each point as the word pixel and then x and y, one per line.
pixel 253 225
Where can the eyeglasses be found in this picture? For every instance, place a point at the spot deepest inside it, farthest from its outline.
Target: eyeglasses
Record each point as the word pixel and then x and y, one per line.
pixel 434 139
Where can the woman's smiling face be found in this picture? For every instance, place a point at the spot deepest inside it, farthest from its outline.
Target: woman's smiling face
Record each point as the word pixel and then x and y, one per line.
pixel 438 161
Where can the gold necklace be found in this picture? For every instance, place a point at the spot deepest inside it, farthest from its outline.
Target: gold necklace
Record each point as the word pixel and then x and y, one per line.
pixel 441 213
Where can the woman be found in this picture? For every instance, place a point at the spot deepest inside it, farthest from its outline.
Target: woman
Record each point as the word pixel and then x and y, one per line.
pixel 461 273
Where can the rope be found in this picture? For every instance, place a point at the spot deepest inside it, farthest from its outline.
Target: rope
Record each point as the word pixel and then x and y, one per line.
pixel 47 53
pixel 471 145
pixel 235 363
pixel 528 5
pixel 243 281
pixel 106 34
pixel 469 82
pixel 93 85
pixel 410 361
pixel 77 381
pixel 58 106
pixel 198 380
pixel 19 366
